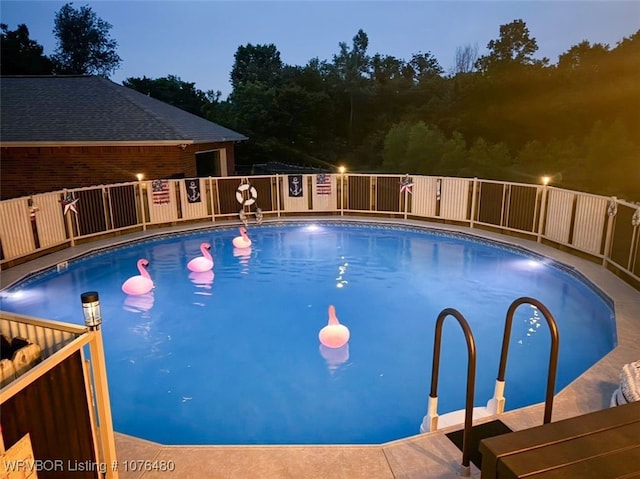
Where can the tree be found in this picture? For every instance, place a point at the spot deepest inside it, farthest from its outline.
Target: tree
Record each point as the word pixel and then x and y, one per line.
pixel 514 47
pixel 84 45
pixel 425 67
pixel 353 67
pixel 20 55
pixel 174 91
pixel 259 63
pixel 466 58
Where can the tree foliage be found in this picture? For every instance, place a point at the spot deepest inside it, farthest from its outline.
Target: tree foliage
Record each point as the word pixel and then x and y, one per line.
pixel 515 47
pixel 256 63
pixel 20 55
pixel 172 90
pixel 507 115
pixel 84 43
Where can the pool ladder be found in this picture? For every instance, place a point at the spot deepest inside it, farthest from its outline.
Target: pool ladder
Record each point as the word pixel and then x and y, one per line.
pixel 496 404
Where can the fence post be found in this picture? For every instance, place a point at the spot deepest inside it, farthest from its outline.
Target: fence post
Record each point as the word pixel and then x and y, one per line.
pixel 142 202
pixel 612 210
pixel 278 193
pixel 474 193
pixel 543 210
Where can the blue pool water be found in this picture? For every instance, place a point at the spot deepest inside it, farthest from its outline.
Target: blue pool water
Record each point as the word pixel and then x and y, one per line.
pixel 236 359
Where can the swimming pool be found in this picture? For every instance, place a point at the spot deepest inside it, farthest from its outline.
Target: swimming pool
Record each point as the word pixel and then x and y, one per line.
pixel 235 359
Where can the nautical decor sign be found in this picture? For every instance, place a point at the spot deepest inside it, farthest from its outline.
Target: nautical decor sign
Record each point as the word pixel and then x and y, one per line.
pixel 193 190
pixel 295 186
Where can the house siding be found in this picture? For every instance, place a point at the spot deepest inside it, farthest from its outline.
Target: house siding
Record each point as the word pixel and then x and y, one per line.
pixel 30 170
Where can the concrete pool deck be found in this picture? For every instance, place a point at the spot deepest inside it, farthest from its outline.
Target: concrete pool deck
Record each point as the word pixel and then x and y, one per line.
pixel 430 455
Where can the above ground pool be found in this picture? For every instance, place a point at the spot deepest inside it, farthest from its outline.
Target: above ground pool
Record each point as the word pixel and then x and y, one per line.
pixel 233 355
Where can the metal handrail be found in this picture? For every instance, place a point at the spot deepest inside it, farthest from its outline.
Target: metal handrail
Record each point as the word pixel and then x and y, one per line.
pixel 553 356
pixel 471 376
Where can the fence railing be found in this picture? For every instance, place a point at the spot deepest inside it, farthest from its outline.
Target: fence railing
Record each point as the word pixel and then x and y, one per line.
pixel 605 229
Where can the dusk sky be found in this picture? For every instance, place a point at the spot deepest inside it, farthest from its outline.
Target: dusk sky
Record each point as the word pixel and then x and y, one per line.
pixel 196 40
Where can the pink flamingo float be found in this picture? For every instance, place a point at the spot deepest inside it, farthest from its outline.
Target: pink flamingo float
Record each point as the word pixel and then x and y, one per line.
pixel 334 334
pixel 140 284
pixel 202 263
pixel 335 357
pixel 202 279
pixel 243 240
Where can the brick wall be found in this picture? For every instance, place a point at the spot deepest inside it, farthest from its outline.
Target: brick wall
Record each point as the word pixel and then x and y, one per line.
pixel 29 170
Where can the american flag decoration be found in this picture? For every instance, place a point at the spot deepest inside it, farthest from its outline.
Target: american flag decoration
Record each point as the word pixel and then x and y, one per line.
pixel 160 189
pixel 323 184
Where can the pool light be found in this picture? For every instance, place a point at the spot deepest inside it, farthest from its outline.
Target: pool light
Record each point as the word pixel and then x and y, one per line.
pixel 91 309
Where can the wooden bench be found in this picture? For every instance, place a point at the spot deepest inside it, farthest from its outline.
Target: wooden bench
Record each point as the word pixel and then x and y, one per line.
pixel 599 445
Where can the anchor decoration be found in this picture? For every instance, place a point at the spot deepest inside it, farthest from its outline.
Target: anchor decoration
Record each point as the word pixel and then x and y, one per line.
pixel 406 184
pixel 295 186
pixel 193 191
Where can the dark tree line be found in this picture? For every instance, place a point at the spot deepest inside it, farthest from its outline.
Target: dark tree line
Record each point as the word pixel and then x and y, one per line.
pixel 504 115
pixel 84 47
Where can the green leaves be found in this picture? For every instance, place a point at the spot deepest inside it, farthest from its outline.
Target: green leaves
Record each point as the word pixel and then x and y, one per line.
pixel 84 45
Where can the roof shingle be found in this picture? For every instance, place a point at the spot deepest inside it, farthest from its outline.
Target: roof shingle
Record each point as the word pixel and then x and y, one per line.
pixel 58 109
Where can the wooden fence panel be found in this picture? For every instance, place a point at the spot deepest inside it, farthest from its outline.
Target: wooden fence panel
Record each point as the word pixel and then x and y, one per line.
pixel 558 216
pixel 54 411
pixel 91 209
pixel 522 208
pixel 454 202
pixel 359 193
pixel 162 201
pixel 490 207
pixel 589 223
pixel 324 188
pixel 16 233
pixel 388 194
pixel 294 193
pixel 193 200
pixel 424 194
pixel 623 233
pixel 49 220
pixel 122 203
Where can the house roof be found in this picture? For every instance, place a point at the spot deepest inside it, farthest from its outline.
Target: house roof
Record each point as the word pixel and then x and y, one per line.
pixel 92 109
